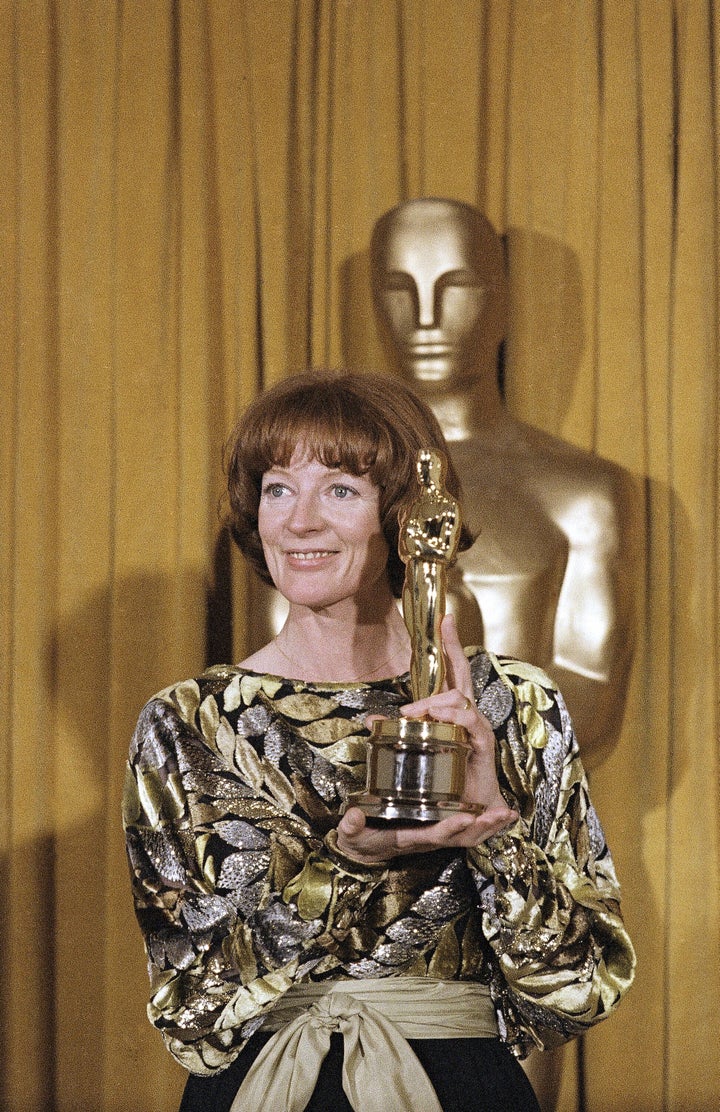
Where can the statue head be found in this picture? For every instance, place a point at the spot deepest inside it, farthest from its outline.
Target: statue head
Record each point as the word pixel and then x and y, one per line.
pixel 430 468
pixel 440 289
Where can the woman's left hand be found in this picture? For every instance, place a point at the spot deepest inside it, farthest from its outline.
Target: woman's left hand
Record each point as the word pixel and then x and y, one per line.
pixel 456 704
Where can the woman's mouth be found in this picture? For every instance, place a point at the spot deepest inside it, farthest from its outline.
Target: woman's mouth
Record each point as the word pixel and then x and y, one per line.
pixel 317 554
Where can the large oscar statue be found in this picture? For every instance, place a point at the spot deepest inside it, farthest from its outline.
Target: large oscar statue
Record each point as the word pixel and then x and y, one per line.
pixel 416 766
pixel 554 568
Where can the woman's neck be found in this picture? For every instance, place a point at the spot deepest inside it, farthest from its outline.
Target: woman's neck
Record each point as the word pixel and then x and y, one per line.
pixel 355 646
pixel 332 647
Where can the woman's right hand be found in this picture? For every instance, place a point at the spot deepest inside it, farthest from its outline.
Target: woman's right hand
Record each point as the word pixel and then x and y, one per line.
pixel 377 843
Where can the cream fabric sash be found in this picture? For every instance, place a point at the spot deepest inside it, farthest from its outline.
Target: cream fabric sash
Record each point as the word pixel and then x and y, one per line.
pixel 375 1017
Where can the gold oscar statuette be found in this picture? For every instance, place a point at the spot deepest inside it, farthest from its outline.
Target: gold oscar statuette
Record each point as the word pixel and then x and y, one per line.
pixel 416 766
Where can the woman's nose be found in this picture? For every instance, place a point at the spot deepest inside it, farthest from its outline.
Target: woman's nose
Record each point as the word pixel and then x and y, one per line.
pixel 306 513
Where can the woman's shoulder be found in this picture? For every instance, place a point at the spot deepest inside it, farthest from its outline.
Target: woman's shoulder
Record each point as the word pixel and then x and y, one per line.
pixel 229 688
pixel 505 685
pixel 189 690
pixel 226 684
pixel 487 666
pixel 191 710
pixel 520 671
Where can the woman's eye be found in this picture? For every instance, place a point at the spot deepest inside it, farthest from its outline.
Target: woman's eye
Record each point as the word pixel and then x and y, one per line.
pixel 274 490
pixel 342 490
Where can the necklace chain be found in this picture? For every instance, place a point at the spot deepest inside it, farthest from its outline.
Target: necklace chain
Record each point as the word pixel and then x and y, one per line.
pixel 365 676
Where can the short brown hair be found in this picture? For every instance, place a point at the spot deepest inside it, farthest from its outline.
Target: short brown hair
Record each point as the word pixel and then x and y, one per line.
pixel 363 424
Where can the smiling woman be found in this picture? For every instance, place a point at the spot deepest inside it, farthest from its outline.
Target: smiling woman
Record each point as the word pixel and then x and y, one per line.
pixel 322 540
pixel 360 425
pixel 298 954
pixel 320 471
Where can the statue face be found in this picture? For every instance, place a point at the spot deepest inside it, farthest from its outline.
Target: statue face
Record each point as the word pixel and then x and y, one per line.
pixel 437 267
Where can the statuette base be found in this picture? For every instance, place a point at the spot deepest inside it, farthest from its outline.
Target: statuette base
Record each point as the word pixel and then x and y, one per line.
pixel 416 771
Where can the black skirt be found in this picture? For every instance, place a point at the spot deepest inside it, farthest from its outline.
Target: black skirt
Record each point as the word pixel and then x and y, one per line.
pixel 468 1075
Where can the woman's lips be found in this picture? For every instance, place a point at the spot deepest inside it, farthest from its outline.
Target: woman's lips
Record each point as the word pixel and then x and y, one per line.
pixel 310 556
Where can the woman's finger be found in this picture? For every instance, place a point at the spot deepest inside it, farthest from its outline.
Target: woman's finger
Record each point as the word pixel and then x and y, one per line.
pixel 375 845
pixel 461 830
pixel 451 706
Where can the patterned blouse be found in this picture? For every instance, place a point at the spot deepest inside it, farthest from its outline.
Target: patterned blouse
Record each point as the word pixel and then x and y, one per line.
pixel 234 788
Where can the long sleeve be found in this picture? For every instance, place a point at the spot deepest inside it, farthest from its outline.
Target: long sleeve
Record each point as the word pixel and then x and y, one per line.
pixel 548 893
pixel 214 838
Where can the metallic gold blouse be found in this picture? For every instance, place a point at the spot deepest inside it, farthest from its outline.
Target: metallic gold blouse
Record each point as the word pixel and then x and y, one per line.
pixel 234 789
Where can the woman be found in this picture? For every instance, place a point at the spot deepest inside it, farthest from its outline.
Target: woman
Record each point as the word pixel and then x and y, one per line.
pixel 279 928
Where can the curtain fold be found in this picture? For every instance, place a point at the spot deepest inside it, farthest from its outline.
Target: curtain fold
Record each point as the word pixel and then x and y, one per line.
pixel 189 188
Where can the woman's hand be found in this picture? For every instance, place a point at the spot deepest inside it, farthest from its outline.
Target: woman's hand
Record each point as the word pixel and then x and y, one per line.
pixel 456 704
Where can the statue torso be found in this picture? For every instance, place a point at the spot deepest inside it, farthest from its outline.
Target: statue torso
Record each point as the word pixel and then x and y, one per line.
pixel 534 504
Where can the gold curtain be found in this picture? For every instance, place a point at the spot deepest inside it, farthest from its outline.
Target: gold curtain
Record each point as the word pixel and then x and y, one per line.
pixel 188 192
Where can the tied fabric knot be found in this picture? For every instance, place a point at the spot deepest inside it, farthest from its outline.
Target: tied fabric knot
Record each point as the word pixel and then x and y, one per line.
pixel 380 1068
pixel 333 1013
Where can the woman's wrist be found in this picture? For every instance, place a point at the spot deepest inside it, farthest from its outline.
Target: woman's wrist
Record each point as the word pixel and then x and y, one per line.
pixel 347 860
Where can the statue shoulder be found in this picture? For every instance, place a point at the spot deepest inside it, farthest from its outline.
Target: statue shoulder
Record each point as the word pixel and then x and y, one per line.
pixel 590 498
pixel 570 481
pixel 584 494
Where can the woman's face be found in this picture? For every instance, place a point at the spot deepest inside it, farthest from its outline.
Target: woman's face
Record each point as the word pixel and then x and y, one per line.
pixel 321 534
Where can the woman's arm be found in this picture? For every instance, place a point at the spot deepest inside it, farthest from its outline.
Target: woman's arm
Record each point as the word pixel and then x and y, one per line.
pixel 215 841
pixel 547 886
